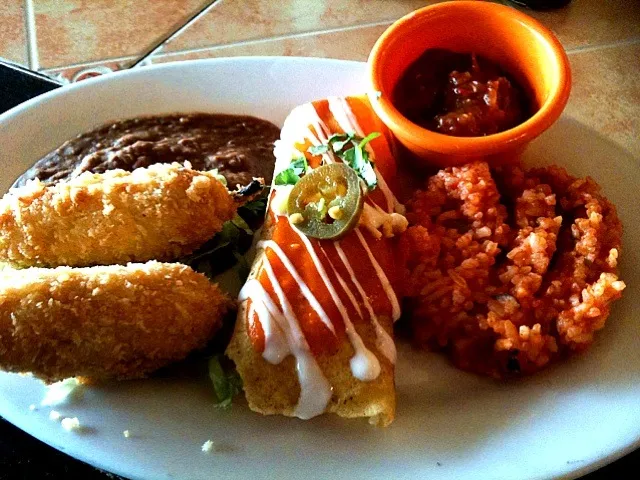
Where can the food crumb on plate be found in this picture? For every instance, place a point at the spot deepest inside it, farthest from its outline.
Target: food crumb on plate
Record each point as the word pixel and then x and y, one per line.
pixel 55 416
pixel 126 434
pixel 71 424
pixel 207 447
pixel 32 407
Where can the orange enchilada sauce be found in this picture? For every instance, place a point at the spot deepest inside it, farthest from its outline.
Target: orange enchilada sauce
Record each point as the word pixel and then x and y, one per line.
pixel 309 294
pixel 321 340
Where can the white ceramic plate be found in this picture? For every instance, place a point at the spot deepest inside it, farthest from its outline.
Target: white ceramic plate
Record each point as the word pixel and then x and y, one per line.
pixel 563 422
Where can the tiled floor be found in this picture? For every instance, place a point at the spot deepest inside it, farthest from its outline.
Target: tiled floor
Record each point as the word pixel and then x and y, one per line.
pixel 13 36
pixel 606 92
pixel 245 21
pixel 76 39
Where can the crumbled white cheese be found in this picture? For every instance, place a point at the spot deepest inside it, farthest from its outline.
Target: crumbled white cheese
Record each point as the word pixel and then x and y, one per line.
pixel 32 407
pixel 207 446
pixel 70 424
pixel 126 434
pixel 336 212
pixel 55 416
pixel 380 223
pixel 296 218
pixel 60 392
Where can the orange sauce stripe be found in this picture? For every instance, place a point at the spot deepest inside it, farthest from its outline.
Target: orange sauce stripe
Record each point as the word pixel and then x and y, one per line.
pixel 318 336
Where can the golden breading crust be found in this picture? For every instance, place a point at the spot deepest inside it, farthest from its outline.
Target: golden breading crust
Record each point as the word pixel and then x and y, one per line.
pixel 104 322
pixel 160 212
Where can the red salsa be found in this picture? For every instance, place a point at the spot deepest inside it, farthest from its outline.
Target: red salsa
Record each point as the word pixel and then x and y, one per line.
pixel 463 95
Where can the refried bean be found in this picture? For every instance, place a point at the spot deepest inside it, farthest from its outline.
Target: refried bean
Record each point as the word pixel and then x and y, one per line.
pixel 239 147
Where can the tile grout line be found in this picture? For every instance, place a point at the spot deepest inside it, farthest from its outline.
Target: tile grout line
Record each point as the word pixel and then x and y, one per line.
pixel 32 42
pixel 152 53
pixel 277 37
pixel 91 63
pixel 144 57
pixel 219 46
pixel 604 46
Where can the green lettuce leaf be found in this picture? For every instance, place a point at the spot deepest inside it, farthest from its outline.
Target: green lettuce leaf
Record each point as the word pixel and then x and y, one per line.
pixel 226 381
pixel 228 246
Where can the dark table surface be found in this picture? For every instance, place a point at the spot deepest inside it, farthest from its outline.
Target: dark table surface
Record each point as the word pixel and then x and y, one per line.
pixel 24 457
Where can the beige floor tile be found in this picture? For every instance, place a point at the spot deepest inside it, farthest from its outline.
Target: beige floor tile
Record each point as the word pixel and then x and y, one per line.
pixel 352 44
pixel 581 23
pixel 78 31
pixel 592 22
pixel 13 36
pixel 232 21
pixel 606 93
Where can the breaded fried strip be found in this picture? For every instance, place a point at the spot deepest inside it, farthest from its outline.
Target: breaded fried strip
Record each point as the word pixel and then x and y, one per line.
pixel 160 212
pixel 104 322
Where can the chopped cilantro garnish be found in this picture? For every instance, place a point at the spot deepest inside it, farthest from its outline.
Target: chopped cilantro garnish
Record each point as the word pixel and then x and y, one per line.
pixel 292 174
pixel 351 149
pixel 368 138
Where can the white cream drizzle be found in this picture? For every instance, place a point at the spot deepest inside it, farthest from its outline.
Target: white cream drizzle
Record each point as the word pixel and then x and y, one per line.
pixel 393 205
pixel 285 152
pixel 283 334
pixel 359 363
pixel 343 284
pixel 285 337
pixel 311 298
pixel 309 113
pixel 342 112
pixel 315 390
pixel 384 342
pixel 276 347
pixel 280 201
pixel 364 364
pixel 391 294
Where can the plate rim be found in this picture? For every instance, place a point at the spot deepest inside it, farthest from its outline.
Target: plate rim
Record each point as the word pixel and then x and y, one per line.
pixel 68 90
pixel 88 83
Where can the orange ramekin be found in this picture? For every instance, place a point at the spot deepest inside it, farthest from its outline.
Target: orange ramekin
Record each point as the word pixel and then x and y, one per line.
pixel 519 44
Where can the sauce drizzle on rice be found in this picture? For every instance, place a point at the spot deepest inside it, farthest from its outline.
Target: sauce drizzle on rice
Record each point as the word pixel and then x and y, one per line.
pixel 510 269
